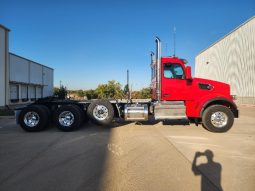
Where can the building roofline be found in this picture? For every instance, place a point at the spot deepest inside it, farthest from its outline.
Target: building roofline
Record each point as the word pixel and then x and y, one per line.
pixel 5 28
pixel 30 60
pixel 253 17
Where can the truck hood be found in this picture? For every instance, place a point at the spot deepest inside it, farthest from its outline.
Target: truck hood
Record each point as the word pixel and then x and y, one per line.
pixel 216 86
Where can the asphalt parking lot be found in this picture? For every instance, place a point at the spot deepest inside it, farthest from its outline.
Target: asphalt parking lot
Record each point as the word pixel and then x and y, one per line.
pixel 129 156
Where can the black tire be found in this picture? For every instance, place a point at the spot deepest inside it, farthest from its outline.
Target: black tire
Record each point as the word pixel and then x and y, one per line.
pixel 46 109
pixel 74 112
pixel 93 112
pixel 208 123
pixel 83 114
pixel 40 114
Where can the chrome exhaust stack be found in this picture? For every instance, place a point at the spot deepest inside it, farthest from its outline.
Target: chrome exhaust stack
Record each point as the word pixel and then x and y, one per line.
pixel 152 65
pixel 158 66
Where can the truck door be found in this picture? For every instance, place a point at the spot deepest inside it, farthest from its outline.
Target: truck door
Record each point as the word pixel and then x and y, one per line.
pixel 173 84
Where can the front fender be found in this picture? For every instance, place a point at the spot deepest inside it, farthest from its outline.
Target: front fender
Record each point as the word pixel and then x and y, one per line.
pixel 220 101
pixel 196 107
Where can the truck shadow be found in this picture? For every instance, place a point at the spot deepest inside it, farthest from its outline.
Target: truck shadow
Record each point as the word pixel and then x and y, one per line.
pixel 54 160
pixel 210 172
pixel 165 122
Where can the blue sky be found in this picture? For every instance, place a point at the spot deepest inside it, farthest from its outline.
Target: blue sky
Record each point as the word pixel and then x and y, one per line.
pixel 90 42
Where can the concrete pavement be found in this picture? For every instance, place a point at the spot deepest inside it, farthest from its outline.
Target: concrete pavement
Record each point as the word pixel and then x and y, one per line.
pixel 129 157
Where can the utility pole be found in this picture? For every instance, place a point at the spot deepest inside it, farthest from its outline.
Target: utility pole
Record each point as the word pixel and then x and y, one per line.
pixel 128 84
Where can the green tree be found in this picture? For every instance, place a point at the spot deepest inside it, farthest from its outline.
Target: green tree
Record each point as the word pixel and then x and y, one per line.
pixel 126 89
pixel 91 94
pixel 145 93
pixel 60 92
pixel 80 93
pixel 110 90
pixel 55 91
pixel 136 95
pixel 101 91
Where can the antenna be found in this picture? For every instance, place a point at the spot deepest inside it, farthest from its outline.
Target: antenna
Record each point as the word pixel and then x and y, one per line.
pixel 166 50
pixel 174 35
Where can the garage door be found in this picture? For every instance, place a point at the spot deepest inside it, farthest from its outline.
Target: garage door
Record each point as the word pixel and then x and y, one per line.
pixel 24 93
pixel 14 92
pixel 32 92
pixel 38 92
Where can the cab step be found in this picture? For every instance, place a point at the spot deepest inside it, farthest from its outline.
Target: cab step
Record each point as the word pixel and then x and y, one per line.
pixel 167 110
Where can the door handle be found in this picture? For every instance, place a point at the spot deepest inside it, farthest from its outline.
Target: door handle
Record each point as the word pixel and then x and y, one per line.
pixel 165 95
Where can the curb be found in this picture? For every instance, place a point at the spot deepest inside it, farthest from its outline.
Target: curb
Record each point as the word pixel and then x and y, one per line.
pixel 7 117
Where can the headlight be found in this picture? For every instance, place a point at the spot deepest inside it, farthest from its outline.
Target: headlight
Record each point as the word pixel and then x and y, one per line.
pixel 234 97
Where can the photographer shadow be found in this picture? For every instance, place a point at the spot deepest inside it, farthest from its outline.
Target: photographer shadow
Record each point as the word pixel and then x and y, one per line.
pixel 210 172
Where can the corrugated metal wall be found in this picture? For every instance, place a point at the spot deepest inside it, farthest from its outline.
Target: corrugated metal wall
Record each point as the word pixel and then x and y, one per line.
pixel 232 60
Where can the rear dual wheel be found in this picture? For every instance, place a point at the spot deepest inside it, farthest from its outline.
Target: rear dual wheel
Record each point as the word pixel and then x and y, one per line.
pixel 34 118
pixel 37 117
pixel 68 117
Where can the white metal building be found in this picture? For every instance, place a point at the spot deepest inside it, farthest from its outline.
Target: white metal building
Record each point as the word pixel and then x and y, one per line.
pixel 21 80
pixel 232 60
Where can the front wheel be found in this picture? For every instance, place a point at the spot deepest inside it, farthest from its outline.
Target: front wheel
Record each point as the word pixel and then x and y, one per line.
pixel 218 118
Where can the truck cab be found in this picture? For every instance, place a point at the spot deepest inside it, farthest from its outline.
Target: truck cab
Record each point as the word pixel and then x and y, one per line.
pixel 173 88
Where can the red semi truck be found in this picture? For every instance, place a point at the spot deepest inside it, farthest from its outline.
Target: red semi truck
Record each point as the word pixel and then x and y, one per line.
pixel 174 95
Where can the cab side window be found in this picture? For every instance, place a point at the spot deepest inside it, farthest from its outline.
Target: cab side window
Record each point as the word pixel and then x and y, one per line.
pixel 173 71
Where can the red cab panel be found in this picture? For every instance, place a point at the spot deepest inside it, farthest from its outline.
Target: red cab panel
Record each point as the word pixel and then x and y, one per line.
pixel 195 92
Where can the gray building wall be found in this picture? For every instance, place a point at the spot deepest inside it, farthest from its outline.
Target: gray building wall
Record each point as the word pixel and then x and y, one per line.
pixel 21 80
pixel 4 68
pixel 232 60
pixel 48 78
pixel 29 80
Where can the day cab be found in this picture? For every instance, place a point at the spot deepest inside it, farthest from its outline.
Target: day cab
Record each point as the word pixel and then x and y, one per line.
pixel 202 100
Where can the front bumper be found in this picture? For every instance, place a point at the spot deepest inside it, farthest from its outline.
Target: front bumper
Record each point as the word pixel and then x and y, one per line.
pixel 236 113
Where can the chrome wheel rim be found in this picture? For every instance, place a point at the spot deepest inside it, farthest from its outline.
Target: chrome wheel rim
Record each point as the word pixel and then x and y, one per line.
pixel 219 119
pixel 100 112
pixel 31 119
pixel 66 118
